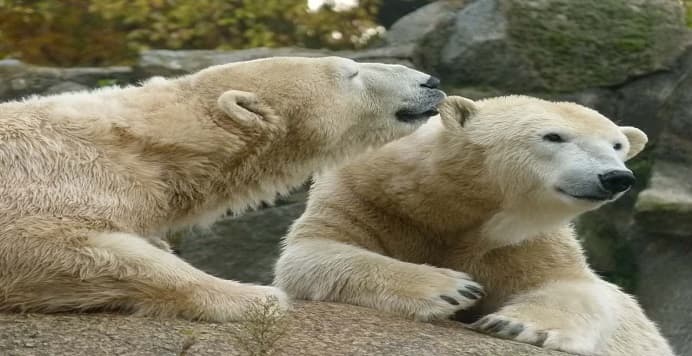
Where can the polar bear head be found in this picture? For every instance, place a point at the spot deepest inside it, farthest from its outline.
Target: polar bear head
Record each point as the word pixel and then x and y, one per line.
pixel 555 156
pixel 328 104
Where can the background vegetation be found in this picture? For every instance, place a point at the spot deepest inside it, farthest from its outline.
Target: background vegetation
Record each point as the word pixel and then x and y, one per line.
pixel 100 32
pixel 107 32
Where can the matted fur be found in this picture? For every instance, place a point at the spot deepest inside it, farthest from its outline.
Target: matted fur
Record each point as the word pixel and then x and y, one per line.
pixel 91 181
pixel 394 229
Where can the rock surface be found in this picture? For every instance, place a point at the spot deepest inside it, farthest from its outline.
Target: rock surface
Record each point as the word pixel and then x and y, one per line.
pixel 243 248
pixel 312 329
pixel 165 62
pixel 665 207
pixel 555 45
pixel 665 288
pixel 663 215
pixel 20 79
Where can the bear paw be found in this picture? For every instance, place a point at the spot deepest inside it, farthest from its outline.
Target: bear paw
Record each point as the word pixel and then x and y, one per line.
pixel 509 328
pixel 235 301
pixel 444 293
pixel 527 332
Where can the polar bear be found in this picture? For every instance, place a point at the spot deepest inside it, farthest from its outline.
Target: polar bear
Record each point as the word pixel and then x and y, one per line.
pixel 91 181
pixel 488 189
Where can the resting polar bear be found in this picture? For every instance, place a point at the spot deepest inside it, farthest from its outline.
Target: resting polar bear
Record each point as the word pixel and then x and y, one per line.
pixel 493 198
pixel 92 180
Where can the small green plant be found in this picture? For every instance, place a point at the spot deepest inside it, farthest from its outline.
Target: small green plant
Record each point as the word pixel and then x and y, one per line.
pixel 106 82
pixel 264 324
pixel 189 340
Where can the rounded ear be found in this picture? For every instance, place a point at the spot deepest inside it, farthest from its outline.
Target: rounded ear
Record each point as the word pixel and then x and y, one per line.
pixel 455 110
pixel 637 139
pixel 243 109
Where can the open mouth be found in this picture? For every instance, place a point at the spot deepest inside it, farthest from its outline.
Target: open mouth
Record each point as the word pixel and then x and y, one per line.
pixel 425 108
pixel 407 115
pixel 588 197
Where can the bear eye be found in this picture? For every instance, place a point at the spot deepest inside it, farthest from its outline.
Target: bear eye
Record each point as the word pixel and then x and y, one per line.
pixel 617 146
pixel 353 75
pixel 553 137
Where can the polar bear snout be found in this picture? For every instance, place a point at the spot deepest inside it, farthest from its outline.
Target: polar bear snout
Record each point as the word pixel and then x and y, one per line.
pixel 617 181
pixel 596 187
pixel 413 95
pixel 425 102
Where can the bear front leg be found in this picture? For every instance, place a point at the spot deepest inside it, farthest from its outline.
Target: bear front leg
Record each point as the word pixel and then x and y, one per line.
pixel 321 269
pixel 576 316
pixel 75 269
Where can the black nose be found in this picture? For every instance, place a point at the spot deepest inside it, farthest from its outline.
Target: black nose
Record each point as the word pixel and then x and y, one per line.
pixel 432 83
pixel 617 181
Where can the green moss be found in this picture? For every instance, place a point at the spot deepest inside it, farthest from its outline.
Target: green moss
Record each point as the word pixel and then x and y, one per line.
pixel 577 44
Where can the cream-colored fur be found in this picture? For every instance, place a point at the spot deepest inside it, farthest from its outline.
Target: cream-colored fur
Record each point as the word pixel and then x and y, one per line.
pixel 92 181
pixel 487 190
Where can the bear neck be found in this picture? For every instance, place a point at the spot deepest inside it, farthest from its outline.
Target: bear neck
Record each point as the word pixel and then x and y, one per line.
pixel 433 180
pixel 464 189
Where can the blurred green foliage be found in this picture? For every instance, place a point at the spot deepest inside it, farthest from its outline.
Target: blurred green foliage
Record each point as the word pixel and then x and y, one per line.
pixel 100 32
pixel 688 5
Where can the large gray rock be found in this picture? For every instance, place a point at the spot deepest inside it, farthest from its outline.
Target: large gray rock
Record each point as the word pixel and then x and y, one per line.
pixel 242 248
pixel 665 207
pixel 19 79
pixel 311 329
pixel 554 45
pixel 166 62
pixel 663 235
pixel 665 287
pixel 664 238
pixel 416 26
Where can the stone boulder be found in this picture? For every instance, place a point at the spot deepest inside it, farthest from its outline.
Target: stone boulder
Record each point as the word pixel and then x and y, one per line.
pixel 665 207
pixel 663 215
pixel 166 62
pixel 20 79
pixel 553 45
pixel 311 329
pixel 664 286
pixel 242 248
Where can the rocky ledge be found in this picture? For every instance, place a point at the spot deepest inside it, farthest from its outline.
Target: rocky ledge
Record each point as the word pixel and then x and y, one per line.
pixel 310 329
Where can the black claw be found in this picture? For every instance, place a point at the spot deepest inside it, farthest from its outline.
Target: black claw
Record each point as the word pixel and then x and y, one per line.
pixel 480 324
pixel 476 290
pixel 468 294
pixel 449 300
pixel 515 330
pixel 542 336
pixel 491 325
pixel 501 325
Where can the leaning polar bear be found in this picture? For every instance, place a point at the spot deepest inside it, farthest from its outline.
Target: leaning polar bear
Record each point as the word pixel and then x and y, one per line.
pixel 489 189
pixel 91 181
